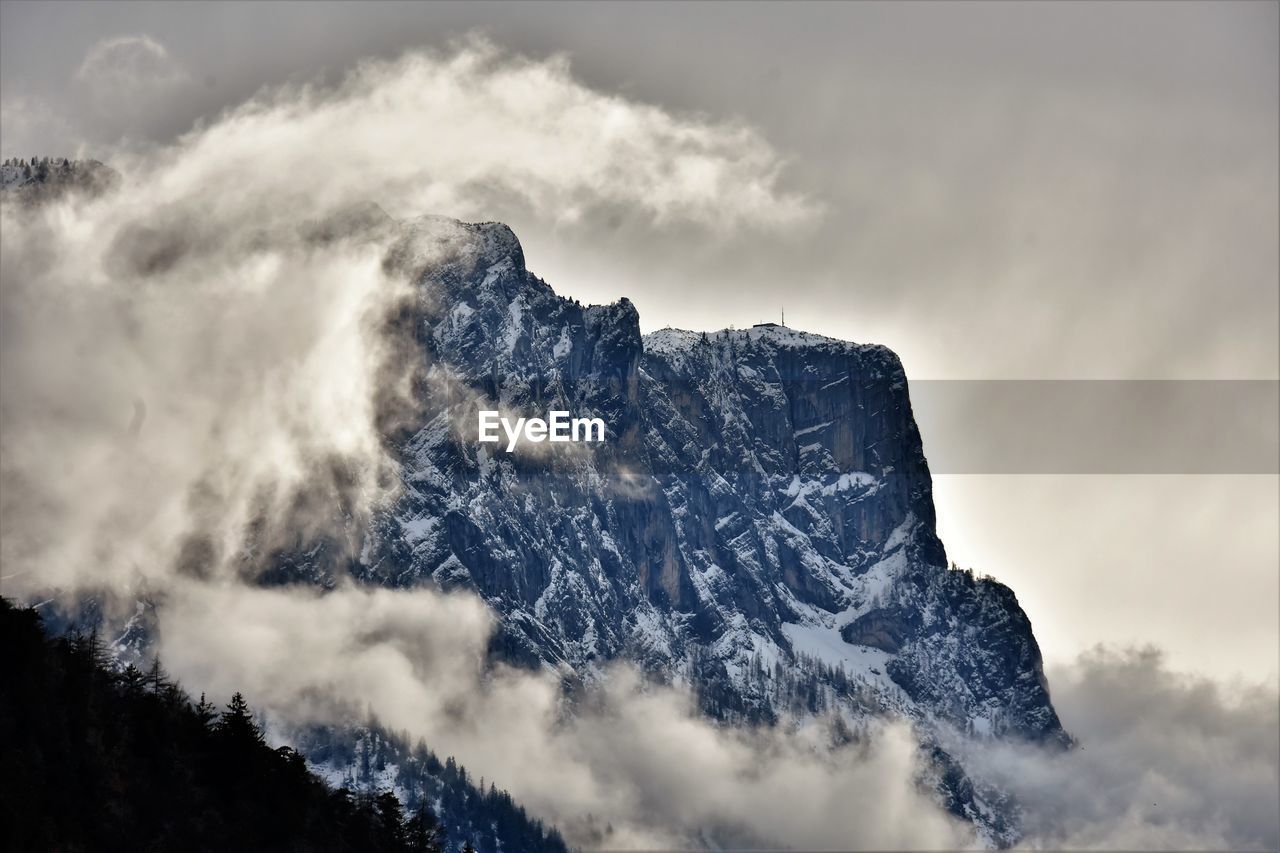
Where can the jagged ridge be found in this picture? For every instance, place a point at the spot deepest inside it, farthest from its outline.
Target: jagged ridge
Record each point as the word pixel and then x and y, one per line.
pixel 763 499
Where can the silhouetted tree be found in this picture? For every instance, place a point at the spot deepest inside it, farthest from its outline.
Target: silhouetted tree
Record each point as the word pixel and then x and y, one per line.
pixel 237 723
pixel 157 682
pixel 206 712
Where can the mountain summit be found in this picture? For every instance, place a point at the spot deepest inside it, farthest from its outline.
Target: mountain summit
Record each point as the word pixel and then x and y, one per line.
pixel 759 524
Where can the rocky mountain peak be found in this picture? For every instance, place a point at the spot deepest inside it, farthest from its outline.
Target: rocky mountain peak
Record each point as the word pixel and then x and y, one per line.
pixel 759 524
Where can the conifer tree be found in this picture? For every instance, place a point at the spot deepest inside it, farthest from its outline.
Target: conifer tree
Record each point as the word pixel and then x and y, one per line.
pixel 390 821
pixel 157 682
pixel 237 722
pixel 133 679
pixel 206 711
pixel 424 832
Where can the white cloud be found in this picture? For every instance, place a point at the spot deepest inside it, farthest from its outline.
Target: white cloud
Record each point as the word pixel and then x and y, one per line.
pixel 461 131
pixel 189 295
pixel 649 772
pixel 1163 761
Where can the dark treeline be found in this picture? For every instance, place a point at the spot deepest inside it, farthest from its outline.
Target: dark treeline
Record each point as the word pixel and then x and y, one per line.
pixel 93 759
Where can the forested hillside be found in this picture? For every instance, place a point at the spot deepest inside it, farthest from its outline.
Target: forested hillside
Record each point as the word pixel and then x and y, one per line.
pixel 97 759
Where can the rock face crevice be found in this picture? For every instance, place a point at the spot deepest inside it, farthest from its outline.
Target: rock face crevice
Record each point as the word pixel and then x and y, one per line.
pixel 762 504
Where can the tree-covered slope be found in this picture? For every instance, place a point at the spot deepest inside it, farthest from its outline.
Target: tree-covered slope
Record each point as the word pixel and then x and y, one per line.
pixel 96 759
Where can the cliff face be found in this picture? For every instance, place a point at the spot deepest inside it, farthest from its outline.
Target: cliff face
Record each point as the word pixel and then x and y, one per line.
pixel 758 524
pixel 762 506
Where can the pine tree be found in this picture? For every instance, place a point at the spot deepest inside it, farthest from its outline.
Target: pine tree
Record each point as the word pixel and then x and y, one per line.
pixel 157 682
pixel 206 711
pixel 424 832
pixel 133 679
pixel 390 821
pixel 97 653
pixel 237 722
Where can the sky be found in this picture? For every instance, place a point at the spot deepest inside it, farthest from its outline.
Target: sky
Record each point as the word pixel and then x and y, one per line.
pixel 996 191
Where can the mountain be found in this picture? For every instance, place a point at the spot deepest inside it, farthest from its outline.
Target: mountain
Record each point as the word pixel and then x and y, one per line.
pixel 758 525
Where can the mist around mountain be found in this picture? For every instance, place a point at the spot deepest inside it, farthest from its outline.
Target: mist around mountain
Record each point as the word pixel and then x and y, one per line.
pixel 236 429
pixel 758 531
pixel 759 528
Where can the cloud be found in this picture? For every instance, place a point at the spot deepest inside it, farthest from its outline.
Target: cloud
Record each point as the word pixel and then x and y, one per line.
pixel 637 759
pixel 172 381
pixel 462 130
pixel 197 294
pixel 1163 761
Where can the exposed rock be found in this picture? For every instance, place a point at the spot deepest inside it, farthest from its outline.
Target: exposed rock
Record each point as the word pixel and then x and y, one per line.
pixel 763 498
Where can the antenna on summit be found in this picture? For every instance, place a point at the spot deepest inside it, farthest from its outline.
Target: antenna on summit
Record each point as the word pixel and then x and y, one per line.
pixel 784 315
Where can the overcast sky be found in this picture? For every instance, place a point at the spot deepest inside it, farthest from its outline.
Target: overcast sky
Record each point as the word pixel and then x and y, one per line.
pixel 996 191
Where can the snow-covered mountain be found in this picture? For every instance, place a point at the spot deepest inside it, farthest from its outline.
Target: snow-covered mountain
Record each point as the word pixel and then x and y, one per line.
pixel 759 524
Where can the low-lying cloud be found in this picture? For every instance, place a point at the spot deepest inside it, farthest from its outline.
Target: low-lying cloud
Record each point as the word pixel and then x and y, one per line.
pixel 1164 761
pixel 634 768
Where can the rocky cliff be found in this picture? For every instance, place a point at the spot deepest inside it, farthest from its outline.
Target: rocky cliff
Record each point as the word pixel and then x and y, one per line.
pixel 758 525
